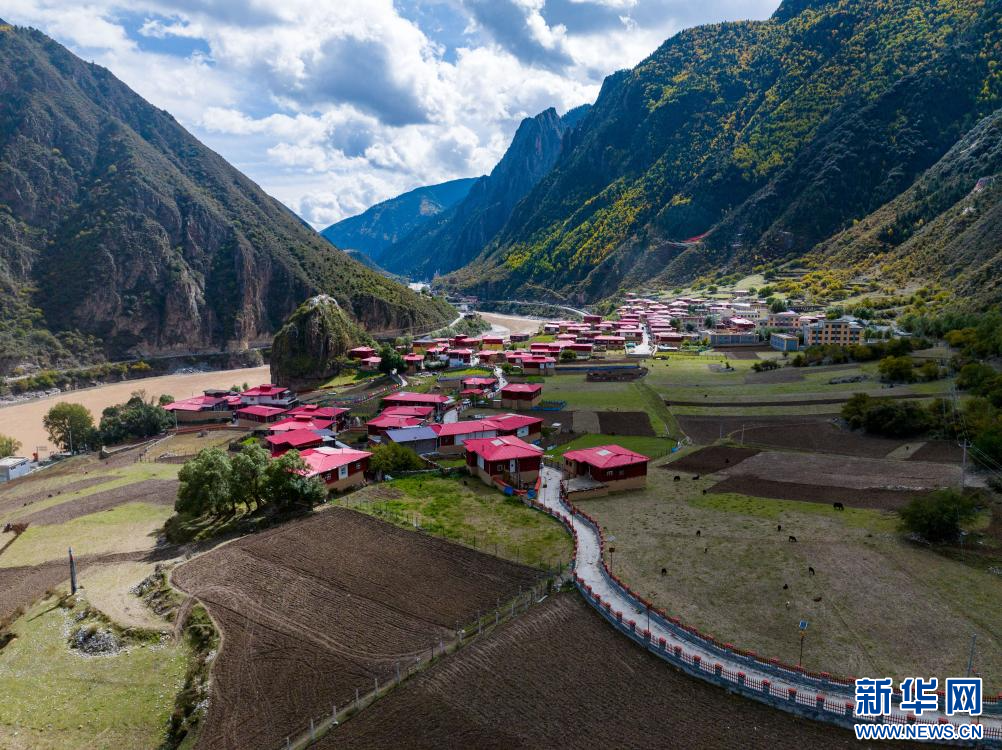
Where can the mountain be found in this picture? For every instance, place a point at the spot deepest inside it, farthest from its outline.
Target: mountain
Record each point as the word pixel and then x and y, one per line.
pixel 947 224
pixel 121 234
pixel 313 344
pixel 458 235
pixel 741 145
pixel 379 226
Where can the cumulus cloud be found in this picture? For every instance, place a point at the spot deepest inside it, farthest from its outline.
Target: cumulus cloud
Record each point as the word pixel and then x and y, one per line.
pixel 333 106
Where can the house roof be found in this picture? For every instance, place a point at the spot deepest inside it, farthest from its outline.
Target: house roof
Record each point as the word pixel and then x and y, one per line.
pixel 361 350
pixel 502 448
pixel 313 410
pixel 411 434
pixel 413 358
pixel 408 411
pixel 325 458
pixel 372 360
pixel 606 456
pixel 392 421
pixel 265 389
pixel 477 380
pixel 522 388
pixel 415 398
pixel 260 411
pixel 463 428
pixel 294 438
pixel 513 421
pixel 195 403
pixel 300 422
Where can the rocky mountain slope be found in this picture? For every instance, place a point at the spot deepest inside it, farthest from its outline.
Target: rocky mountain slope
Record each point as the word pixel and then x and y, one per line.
pixel 456 236
pixel 379 226
pixel 739 145
pixel 120 233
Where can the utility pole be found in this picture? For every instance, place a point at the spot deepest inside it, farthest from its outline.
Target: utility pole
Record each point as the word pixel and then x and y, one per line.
pixel 73 577
pixel 963 465
pixel 970 659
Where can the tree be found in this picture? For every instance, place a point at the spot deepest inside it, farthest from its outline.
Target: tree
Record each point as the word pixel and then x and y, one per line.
pixel 247 470
pixel 988 445
pixel 854 410
pixel 897 369
pixel 70 426
pixel 205 484
pixel 135 419
pixel 8 446
pixel 390 458
pixel 938 516
pixel 165 398
pixel 390 360
pixel 284 485
pixel 568 355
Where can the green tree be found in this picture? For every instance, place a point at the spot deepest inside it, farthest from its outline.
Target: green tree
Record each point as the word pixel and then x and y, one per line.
pixel 165 398
pixel 938 516
pixel 897 369
pixel 205 484
pixel 8 446
pixel 135 419
pixel 988 445
pixel 568 355
pixel 390 458
pixel 283 484
pixel 247 470
pixel 70 426
pixel 390 360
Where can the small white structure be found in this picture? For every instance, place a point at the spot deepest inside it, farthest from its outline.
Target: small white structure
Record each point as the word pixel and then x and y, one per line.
pixel 13 467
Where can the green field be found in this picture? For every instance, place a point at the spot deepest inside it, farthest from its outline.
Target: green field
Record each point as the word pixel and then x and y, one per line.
pixel 55 698
pixel 469 512
pixel 649 446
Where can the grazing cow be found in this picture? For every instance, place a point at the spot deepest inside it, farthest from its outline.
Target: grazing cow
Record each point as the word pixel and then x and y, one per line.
pixel 788 605
pixel 727 460
pixel 678 478
pixel 779 527
pixel 695 477
pixel 810 570
pixel 786 586
pixel 698 532
pixel 838 506
pixel 704 492
pixel 15 528
pixel 817 599
pixel 793 538
pixel 664 572
pixel 705 550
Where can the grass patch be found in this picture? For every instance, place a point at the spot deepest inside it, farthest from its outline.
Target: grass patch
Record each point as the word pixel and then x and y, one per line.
pixel 55 698
pixel 862 518
pixel 466 511
pixel 649 446
pixel 125 528
pixel 351 377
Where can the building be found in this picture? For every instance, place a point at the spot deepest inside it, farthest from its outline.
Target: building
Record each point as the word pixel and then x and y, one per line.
pixel 369 364
pixel 421 440
pixel 843 331
pixel 504 459
pixel 539 365
pixel 479 382
pixel 604 469
pixel 13 467
pixel 785 319
pixel 522 426
pixel 729 337
pixel 299 422
pixel 460 357
pixel 414 362
pixel 268 395
pixel 517 337
pixel 453 435
pixel 255 417
pixel 339 468
pixel 336 414
pixel 204 409
pixel 493 342
pixel 521 395
pixel 421 346
pixel 377 426
pixel 299 440
pixel 362 352
pixel 784 342
pixel 437 401
pixel 422 412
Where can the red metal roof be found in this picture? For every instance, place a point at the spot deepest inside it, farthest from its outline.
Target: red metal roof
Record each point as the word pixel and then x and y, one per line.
pixel 522 388
pixel 195 403
pixel 474 381
pixel 463 428
pixel 513 421
pixel 313 410
pixel 300 422
pixel 408 411
pixel 261 411
pixel 265 389
pixel 324 459
pixel 502 448
pixel 409 397
pixel 294 438
pixel 392 421
pixel 606 456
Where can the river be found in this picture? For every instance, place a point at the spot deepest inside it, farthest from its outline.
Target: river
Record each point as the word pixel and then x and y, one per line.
pixel 24 421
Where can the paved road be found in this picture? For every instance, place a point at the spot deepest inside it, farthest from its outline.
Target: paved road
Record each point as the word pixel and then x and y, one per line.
pixel 588 565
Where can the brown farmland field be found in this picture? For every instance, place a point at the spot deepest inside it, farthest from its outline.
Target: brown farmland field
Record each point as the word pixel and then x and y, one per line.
pixel 559 676
pixel 625 423
pixel 317 608
pixel 711 459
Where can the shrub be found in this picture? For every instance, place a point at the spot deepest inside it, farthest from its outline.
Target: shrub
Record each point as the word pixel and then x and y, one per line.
pixel 938 516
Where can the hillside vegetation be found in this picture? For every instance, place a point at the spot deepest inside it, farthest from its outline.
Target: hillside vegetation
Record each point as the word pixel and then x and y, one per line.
pixel 737 146
pixel 120 233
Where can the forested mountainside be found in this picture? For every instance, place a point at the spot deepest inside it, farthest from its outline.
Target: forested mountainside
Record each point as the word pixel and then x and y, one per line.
pixel 739 145
pixel 379 226
pixel 948 222
pixel 120 233
pixel 455 237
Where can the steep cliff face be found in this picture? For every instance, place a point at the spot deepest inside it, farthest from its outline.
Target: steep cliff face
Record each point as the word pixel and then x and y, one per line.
pixel 742 144
pixel 379 226
pixel 312 345
pixel 116 224
pixel 457 236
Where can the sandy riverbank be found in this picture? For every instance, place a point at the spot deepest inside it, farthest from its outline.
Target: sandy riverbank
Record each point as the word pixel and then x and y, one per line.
pixel 24 421
pixel 505 324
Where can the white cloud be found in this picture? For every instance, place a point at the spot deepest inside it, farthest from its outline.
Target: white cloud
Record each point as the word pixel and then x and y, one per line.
pixel 332 106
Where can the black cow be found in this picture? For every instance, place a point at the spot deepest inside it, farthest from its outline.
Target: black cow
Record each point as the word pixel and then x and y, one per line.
pixel 793 538
pixel 810 570
pixel 838 506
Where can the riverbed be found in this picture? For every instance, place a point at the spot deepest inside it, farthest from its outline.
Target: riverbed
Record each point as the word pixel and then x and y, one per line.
pixel 24 421
pixel 507 324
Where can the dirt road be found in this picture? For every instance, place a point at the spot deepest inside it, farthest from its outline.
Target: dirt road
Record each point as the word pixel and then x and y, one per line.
pixel 24 421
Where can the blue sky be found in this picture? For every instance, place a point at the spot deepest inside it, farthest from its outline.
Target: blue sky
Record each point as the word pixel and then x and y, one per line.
pixel 332 105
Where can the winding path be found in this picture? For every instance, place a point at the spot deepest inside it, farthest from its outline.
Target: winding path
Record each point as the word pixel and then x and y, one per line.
pixel 765 681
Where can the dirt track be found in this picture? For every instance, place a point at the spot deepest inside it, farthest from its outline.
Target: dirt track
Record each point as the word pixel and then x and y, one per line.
pixel 316 608
pixel 881 499
pixel 561 677
pixel 153 491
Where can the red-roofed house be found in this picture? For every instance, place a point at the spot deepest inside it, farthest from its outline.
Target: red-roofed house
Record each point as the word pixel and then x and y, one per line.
pixel 493 342
pixel 339 468
pixel 377 426
pixel 301 440
pixel 253 417
pixel 268 395
pixel 521 395
pixel 460 357
pixel 424 412
pixel 481 382
pixel 202 409
pixel 361 352
pixel 408 398
pixel 507 459
pixel 300 422
pixel 453 435
pixel 529 429
pixel 611 465
pixel 336 414
pixel 369 364
pixel 539 365
pixel 414 362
